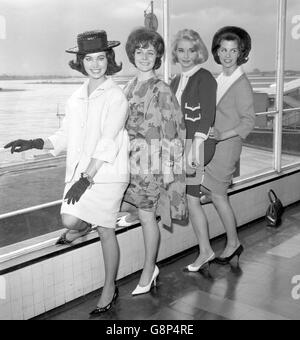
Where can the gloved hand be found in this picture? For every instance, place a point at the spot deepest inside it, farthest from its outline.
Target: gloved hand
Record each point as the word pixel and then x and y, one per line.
pixel 215 134
pixel 21 145
pixel 77 190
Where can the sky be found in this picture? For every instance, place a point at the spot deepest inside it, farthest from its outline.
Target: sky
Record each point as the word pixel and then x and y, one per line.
pixel 34 34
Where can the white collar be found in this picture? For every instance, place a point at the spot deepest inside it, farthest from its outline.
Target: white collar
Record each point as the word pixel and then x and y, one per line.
pixel 191 72
pixel 225 82
pixel 184 78
pixel 83 90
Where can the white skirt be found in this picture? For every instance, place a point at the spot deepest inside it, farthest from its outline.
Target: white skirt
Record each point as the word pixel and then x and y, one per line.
pixel 99 205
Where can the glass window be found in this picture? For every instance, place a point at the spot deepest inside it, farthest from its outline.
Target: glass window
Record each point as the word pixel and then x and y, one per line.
pixel 261 67
pixel 291 116
pixel 35 83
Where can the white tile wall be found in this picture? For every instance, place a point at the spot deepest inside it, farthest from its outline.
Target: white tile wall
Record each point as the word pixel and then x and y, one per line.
pixel 5 311
pixel 17 309
pixel 41 287
pixel 29 312
pixel 50 303
pixel 39 308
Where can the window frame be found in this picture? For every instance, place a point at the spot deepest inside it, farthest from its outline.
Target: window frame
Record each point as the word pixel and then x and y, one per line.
pixel 278 168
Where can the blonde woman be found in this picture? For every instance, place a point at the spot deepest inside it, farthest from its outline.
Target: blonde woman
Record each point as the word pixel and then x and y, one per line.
pixel 195 89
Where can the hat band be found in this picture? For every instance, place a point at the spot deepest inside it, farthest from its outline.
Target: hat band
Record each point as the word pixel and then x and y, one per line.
pixel 92 45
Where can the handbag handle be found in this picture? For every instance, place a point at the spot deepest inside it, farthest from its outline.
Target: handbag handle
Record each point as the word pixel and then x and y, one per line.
pixel 274 198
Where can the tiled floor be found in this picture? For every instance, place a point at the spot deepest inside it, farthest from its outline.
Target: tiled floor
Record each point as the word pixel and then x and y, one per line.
pixel 260 288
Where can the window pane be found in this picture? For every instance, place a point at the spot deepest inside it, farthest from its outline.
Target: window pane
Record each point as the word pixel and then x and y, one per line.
pixel 35 83
pixel 206 17
pixel 257 155
pixel 291 118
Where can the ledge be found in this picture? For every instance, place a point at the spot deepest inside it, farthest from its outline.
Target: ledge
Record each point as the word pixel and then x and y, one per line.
pixel 49 250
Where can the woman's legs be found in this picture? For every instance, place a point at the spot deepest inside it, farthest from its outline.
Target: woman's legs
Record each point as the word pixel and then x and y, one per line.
pixel 132 211
pixel 225 211
pixel 75 226
pixel 111 255
pixel 200 226
pixel 151 240
pixel 110 251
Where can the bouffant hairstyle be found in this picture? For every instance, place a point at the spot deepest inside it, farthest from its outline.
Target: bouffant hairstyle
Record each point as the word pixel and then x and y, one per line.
pixel 112 66
pixel 232 33
pixel 142 38
pixel 195 38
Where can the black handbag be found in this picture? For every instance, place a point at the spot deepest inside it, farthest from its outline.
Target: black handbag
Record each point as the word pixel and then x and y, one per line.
pixel 274 211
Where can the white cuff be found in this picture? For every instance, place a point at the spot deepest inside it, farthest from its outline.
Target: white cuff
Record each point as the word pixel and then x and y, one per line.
pixel 201 135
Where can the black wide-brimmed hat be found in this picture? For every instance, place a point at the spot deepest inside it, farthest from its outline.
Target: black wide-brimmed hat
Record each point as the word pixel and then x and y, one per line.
pixel 238 31
pixel 92 42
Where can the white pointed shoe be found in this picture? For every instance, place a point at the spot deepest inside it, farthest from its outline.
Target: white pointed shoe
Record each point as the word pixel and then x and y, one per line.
pixel 190 268
pixel 122 222
pixel 146 289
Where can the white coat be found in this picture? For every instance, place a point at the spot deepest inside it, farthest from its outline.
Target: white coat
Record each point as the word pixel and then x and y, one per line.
pixel 94 128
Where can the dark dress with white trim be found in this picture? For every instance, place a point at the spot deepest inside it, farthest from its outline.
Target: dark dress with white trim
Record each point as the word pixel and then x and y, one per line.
pixel 198 104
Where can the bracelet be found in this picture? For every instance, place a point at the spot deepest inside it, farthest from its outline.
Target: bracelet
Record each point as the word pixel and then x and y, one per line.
pixel 86 176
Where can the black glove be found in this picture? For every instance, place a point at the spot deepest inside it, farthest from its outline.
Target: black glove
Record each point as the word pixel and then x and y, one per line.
pixel 77 190
pixel 21 145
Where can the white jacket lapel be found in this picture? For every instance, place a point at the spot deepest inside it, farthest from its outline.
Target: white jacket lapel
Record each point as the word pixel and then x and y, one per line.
pixel 225 83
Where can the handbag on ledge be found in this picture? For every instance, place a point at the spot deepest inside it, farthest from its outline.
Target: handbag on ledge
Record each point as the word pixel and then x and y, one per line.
pixel 274 211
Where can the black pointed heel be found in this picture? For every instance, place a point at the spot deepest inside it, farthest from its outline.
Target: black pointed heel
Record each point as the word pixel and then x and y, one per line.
pixel 226 260
pixel 63 238
pixel 100 310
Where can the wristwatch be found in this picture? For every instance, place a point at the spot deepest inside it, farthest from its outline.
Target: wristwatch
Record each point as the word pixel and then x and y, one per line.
pixel 88 177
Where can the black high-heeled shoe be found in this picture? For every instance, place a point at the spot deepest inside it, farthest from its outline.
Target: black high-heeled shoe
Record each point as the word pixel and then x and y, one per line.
pixel 63 240
pixel 100 310
pixel 226 260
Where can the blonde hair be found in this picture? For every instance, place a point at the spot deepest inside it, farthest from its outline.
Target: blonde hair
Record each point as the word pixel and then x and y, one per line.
pixel 194 37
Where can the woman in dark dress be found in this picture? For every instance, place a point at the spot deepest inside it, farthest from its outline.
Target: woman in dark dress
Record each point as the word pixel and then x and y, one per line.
pixel 195 90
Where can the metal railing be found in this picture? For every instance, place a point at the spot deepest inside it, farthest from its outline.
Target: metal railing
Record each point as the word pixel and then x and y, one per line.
pixel 30 209
pixel 51 204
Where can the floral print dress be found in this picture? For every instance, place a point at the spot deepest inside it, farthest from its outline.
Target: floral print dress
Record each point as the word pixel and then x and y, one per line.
pixel 157 135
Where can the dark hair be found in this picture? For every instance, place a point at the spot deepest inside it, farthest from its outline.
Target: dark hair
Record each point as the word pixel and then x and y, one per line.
pixel 243 46
pixel 112 66
pixel 142 38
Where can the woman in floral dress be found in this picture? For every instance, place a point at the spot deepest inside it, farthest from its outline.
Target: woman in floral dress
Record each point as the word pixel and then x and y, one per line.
pixel 157 132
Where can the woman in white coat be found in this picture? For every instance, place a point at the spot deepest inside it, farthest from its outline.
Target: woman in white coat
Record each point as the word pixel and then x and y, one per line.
pixel 97 143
